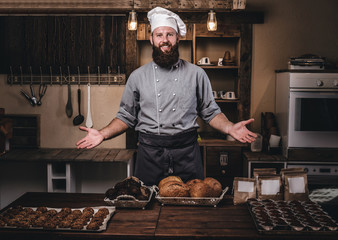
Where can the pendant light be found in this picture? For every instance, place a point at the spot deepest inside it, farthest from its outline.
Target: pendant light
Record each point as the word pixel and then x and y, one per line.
pixel 212 22
pixel 132 21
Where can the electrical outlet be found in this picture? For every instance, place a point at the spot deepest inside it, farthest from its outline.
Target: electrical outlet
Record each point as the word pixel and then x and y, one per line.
pixel 223 158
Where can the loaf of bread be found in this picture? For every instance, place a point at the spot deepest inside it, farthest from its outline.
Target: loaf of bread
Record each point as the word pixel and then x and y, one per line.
pixel 169 179
pixel 130 186
pixel 174 189
pixel 200 189
pixel 215 185
pixel 193 181
pixel 173 186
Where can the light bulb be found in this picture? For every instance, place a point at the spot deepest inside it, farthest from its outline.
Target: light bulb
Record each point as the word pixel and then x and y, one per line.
pixel 212 21
pixel 132 21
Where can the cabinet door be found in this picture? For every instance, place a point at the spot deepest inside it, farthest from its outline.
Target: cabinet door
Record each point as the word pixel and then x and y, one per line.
pixel 224 163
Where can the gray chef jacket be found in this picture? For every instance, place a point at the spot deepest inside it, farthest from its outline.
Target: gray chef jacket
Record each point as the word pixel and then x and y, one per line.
pixel 164 101
pixel 163 105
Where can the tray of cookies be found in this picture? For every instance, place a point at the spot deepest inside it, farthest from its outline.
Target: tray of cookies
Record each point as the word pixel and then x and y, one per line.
pixel 57 219
pixel 195 192
pixel 129 193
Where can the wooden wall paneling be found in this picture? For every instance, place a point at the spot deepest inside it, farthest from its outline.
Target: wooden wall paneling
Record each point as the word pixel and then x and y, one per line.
pixel 245 72
pixel 131 65
pixel 122 47
pixel 62 41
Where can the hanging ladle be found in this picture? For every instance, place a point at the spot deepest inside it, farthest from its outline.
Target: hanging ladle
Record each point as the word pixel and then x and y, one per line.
pixel 79 118
pixel 69 108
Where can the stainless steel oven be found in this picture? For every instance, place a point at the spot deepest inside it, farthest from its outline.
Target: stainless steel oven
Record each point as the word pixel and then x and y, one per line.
pixel 307 109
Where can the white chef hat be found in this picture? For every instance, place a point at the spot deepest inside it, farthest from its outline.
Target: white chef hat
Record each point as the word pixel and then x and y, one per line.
pixel 159 17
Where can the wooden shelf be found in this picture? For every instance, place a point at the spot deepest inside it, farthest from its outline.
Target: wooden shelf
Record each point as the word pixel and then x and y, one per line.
pixel 218 67
pixel 226 100
pixel 220 142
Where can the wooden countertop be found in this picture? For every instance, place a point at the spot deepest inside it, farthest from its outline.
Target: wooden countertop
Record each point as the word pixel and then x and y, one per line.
pixel 69 155
pixel 225 221
pixel 262 156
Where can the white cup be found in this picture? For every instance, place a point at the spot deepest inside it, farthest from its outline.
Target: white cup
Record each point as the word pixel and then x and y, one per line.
pixel 220 62
pixel 229 95
pixel 214 93
pixel 221 94
pixel 204 60
pixel 274 140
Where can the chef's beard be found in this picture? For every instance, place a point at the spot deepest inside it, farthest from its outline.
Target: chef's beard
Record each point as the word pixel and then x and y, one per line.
pixel 168 58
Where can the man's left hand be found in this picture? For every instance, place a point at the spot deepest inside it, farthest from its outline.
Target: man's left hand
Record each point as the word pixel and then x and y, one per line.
pixel 241 133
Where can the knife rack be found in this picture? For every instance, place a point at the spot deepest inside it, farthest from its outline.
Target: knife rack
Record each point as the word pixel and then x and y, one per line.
pixel 96 78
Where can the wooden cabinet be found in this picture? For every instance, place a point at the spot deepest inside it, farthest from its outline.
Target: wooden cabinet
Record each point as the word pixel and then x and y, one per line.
pixel 25 131
pixel 222 159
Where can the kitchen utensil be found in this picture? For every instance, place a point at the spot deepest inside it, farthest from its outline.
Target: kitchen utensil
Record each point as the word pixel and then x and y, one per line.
pixel 34 100
pixel 42 91
pixel 69 108
pixel 79 118
pixel 89 122
pixel 27 97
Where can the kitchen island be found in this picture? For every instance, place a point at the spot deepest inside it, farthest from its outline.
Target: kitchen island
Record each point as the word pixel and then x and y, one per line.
pixel 225 221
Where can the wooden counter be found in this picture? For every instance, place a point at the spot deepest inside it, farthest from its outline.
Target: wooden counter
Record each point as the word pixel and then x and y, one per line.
pixel 156 222
pixel 69 155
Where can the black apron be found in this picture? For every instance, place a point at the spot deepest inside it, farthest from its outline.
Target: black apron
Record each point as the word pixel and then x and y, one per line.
pixel 161 156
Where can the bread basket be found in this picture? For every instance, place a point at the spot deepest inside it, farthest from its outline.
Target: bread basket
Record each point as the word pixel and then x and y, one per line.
pixel 203 201
pixel 128 201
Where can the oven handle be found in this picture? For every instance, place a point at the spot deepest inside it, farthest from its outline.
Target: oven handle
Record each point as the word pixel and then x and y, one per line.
pixel 313 90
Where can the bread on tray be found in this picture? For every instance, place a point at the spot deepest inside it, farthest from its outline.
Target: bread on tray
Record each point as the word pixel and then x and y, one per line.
pixel 173 186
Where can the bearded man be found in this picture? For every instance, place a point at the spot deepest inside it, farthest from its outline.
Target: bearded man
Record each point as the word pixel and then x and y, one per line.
pixel 162 100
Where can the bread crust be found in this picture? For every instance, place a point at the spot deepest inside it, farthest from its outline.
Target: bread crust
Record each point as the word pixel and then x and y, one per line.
pixel 169 179
pixel 215 185
pixel 174 189
pixel 193 181
pixel 200 189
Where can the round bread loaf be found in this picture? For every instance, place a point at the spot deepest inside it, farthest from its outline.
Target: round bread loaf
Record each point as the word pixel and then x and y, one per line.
pixel 169 179
pixel 174 189
pixel 200 189
pixel 215 185
pixel 193 181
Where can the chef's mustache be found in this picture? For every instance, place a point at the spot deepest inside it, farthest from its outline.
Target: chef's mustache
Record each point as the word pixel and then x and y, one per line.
pixel 166 44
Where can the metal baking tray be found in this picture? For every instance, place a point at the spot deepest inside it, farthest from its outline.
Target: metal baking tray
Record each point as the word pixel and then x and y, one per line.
pixel 103 227
pixel 190 201
pixel 128 201
pixel 275 229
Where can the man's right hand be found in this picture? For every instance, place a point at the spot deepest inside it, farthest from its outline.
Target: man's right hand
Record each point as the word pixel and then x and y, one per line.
pixel 93 138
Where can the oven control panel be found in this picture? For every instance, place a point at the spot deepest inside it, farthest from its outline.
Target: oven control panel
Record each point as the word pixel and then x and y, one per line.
pixel 331 170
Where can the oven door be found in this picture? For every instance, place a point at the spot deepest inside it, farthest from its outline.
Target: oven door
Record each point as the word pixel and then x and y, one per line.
pixel 313 119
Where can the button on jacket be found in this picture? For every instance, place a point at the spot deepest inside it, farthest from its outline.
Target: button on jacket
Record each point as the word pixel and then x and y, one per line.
pixel 165 101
